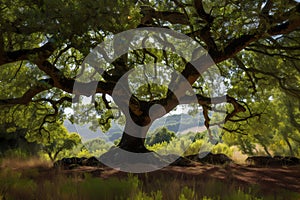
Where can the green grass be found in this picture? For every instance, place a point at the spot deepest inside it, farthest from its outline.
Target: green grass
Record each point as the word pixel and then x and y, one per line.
pixel 31 178
pixel 30 184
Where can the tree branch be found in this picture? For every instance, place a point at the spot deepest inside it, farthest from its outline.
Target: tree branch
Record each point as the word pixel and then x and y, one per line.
pixel 266 9
pixel 67 84
pixel 201 12
pixel 173 17
pixel 44 85
pixel 206 102
pixel 42 52
pixel 236 45
pixel 273 54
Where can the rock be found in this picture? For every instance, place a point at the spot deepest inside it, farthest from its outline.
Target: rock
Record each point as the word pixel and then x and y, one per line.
pixel 183 162
pixel 80 160
pixel 293 160
pixel 259 160
pixel 267 161
pixel 176 160
pixel 92 161
pixel 284 161
pixel 208 157
pixel 73 162
pixel 216 159
pixel 194 157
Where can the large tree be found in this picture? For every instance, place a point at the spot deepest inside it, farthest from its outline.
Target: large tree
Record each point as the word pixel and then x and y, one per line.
pixel 43 43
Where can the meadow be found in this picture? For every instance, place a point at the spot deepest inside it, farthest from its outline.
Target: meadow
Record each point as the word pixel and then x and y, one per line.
pixel 34 178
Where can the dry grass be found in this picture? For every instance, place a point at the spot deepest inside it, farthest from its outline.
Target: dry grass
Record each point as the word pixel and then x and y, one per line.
pixel 23 163
pixel 24 179
pixel 32 184
pixel 238 157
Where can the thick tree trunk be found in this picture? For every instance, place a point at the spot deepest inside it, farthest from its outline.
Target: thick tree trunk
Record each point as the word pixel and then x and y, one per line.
pixel 132 144
pixel 133 138
pixel 131 155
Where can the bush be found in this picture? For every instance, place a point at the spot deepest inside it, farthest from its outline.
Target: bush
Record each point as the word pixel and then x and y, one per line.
pixel 198 146
pixel 222 148
pixel 176 146
pixel 160 135
pixel 184 146
pixel 96 147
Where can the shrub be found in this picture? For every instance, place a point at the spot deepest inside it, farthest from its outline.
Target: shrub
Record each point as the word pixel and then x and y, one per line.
pixel 199 145
pixel 160 135
pixel 222 148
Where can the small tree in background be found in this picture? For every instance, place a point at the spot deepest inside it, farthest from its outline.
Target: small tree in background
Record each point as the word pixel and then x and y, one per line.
pixel 160 135
pixel 59 141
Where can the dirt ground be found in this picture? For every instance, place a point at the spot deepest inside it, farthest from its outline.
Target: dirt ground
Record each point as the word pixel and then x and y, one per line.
pixel 267 178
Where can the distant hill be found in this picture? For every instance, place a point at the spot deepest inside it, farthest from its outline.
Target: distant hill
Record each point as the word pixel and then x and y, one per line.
pixel 178 123
pixel 87 134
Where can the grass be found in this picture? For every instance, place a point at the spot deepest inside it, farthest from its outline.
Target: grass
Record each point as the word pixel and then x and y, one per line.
pixel 21 163
pixel 237 156
pixel 29 181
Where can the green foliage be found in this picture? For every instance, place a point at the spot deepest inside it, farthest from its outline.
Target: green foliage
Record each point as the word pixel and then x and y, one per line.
pixel 239 194
pixel 27 184
pixel 30 24
pixel 187 194
pixel 262 72
pixel 159 136
pixel 94 188
pixel 273 131
pixel 243 142
pixel 57 141
pixel 153 196
pixel 13 142
pixel 83 152
pixel 198 135
pixel 183 145
pixel 222 148
pixel 14 187
pixel 55 17
pixel 198 146
pixel 96 147
pixel 176 146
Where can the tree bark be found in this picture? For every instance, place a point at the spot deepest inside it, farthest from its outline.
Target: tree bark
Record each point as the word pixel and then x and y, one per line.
pixel 290 146
pixel 132 144
pixel 133 138
pixel 266 150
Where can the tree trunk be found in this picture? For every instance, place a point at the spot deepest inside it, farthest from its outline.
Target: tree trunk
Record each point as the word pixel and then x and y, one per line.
pixel 266 150
pixel 290 146
pixel 132 144
pixel 131 155
pixel 133 138
pixel 50 156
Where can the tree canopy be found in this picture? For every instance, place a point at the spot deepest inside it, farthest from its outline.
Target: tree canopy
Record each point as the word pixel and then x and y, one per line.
pixel 254 44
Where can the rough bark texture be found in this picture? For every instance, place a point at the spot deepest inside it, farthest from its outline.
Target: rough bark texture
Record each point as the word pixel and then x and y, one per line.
pixel 132 144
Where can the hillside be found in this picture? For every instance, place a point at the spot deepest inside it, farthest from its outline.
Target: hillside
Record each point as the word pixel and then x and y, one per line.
pixel 178 123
